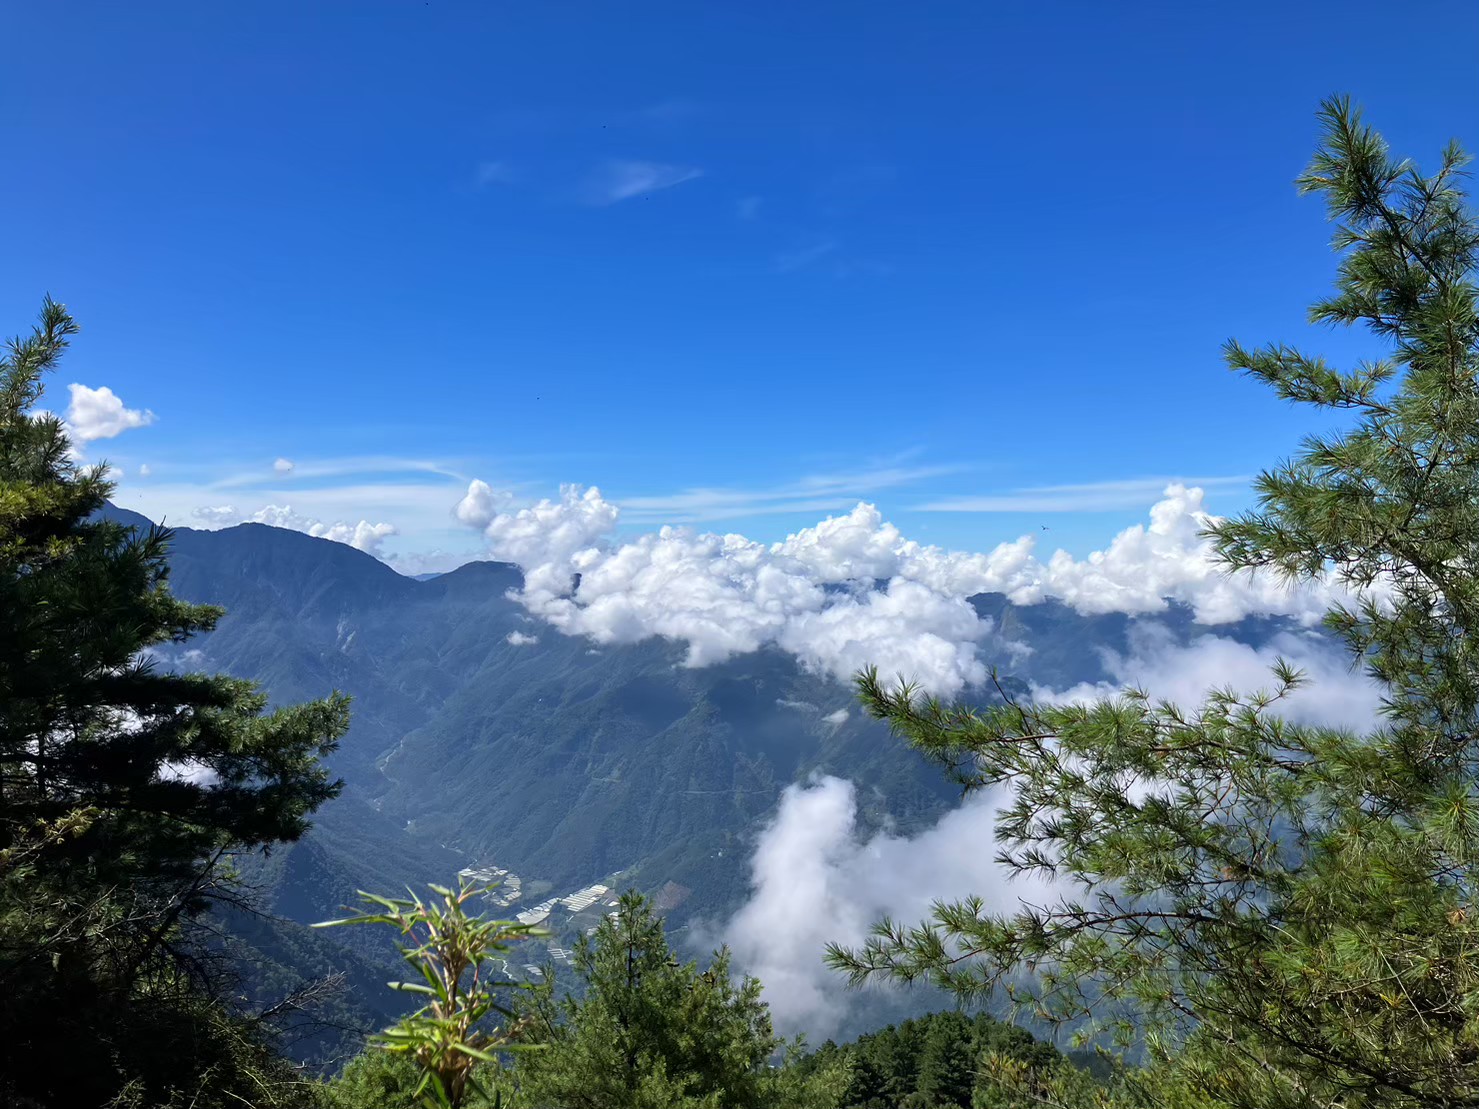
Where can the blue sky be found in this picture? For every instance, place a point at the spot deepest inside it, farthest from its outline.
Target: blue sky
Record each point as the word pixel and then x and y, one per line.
pixel 739 265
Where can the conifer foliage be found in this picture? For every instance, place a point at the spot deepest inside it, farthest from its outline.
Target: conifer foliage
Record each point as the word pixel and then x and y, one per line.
pixel 125 785
pixel 1285 913
pixel 645 1031
pixel 945 1060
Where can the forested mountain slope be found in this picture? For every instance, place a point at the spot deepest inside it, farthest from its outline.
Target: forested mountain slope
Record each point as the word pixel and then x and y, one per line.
pixel 480 736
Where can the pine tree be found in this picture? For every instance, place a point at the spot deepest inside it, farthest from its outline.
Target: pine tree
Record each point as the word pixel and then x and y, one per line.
pixel 1284 914
pixel 947 1064
pixel 124 785
pixel 648 1032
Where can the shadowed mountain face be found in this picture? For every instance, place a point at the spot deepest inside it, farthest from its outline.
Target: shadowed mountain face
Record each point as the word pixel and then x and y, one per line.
pixel 564 761
pixel 557 758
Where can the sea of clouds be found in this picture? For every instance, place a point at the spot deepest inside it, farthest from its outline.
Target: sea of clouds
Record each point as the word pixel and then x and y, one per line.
pixel 853 591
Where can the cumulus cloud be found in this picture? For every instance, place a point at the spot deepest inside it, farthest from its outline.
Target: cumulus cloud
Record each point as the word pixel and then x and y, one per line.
pixel 815 879
pixel 283 466
pixel 363 536
pixel 144 470
pixel 853 590
pixel 1334 694
pixel 519 639
pixel 100 414
pixel 480 504
pixel 219 516
pixel 622 179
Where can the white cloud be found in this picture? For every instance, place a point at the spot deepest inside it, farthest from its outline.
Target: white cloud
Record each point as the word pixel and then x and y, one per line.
pixel 838 718
pixel 100 414
pixel 144 470
pixel 833 492
pixel 419 509
pixel 188 770
pixel 481 503
pixel 519 639
pixel 1097 496
pixel 817 595
pixel 494 173
pixel 363 536
pixel 814 879
pixel 1334 694
pixel 341 468
pixel 283 466
pixel 221 516
pixel 906 628
pixel 546 539
pixel 620 180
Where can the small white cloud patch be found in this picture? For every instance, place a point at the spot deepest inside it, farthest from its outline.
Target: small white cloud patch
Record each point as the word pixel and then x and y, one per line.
pixel 100 414
pixel 363 536
pixel 519 639
pixel 188 770
pixel 283 466
pixel 219 516
pixel 480 504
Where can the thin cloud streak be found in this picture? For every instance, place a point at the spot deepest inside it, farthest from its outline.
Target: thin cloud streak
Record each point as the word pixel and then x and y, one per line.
pixel 335 468
pixel 623 179
pixel 816 493
pixel 793 260
pixel 1096 496
pixel 495 173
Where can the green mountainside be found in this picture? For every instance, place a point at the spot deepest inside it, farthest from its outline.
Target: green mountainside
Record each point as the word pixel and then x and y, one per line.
pixel 563 762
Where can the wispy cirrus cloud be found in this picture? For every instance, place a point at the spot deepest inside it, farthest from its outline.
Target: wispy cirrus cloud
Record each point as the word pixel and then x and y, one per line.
pixel 329 468
pixel 789 261
pixel 674 112
pixel 1095 496
pixel 495 172
pixel 815 493
pixel 622 179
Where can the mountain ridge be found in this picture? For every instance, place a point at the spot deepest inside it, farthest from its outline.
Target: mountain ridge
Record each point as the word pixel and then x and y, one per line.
pixel 482 736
